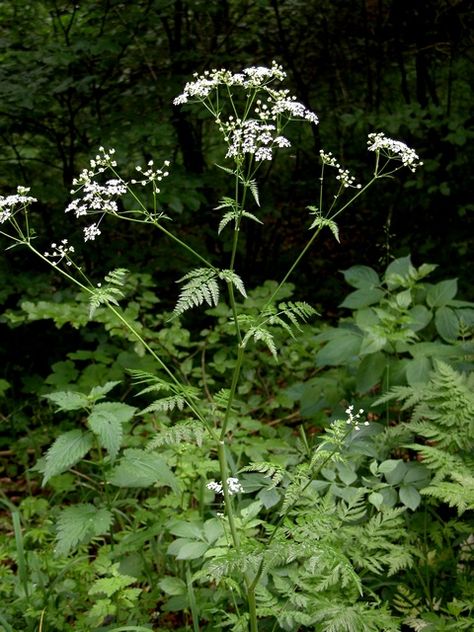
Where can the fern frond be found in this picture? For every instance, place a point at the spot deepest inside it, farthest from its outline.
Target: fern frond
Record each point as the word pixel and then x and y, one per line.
pixel 111 292
pixel 323 221
pixel 261 333
pixel 231 277
pixel 254 191
pixel 269 470
pixel 459 493
pixel 189 431
pixel 200 287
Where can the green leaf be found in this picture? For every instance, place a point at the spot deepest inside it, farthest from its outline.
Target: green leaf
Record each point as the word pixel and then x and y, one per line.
pixel 362 298
pixel 447 323
pixel 361 277
pixel 68 400
pixel 398 270
pixel 79 524
pixel 370 371
pixel 66 451
pixel 418 370
pixel 394 470
pixel 376 499
pixel 97 392
pixel 111 585
pixel 138 468
pixel 420 316
pixel 106 421
pixel 441 293
pixel 409 496
pixel 184 549
pixel 372 342
pixel 172 585
pixel 344 346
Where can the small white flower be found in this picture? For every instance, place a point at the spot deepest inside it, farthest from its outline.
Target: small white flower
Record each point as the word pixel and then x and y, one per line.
pixel 233 485
pixel 394 149
pixel 10 203
pixel 91 232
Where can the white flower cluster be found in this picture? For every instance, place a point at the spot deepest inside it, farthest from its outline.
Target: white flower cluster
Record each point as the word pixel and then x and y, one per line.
pixel 343 175
pixel 151 175
pixel 203 85
pixel 251 137
pixel 9 202
pixel 59 252
pixel 257 132
pixel 233 485
pixel 95 197
pixel 354 419
pixel 394 149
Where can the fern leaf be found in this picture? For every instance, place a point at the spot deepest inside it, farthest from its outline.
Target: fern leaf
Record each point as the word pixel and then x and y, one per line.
pixel 321 221
pixel 269 470
pixel 231 277
pixel 200 287
pixel 254 191
pixel 261 333
pixel 182 432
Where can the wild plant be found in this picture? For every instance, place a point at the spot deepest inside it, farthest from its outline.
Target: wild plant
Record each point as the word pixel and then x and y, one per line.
pixel 292 558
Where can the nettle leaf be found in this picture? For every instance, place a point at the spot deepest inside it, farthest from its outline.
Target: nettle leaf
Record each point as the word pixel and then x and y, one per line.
pixel 79 524
pixel 68 400
pixel 138 468
pixel 200 287
pixel 65 452
pixel 361 277
pixel 97 392
pixel 106 421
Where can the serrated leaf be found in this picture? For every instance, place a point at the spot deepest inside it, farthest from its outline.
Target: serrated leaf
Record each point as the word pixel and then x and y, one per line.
pixel 68 400
pixel 231 277
pixel 106 421
pixel 66 451
pixel 110 585
pixel 97 392
pixel 138 468
pixel 79 524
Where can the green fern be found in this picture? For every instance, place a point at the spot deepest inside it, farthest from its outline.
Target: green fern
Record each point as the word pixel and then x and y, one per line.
pixel 201 287
pixel 269 470
pixel 321 221
pixel 110 292
pixel 189 431
pixel 234 214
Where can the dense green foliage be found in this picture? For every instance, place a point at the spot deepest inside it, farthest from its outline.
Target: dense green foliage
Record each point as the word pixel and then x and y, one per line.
pixel 214 453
